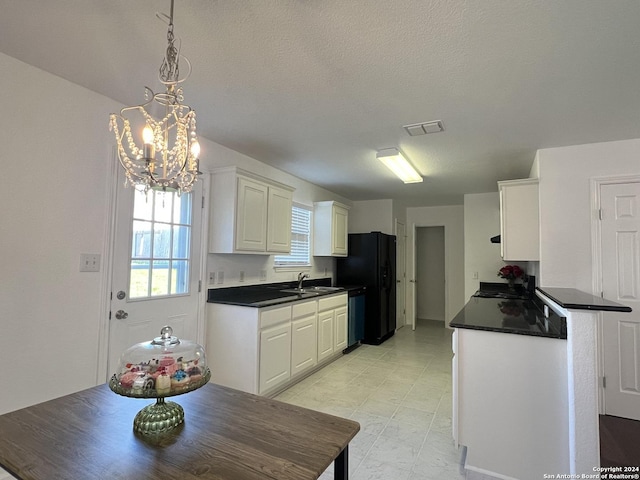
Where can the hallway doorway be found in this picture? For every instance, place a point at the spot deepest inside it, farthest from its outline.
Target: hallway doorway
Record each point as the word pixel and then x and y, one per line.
pixel 430 274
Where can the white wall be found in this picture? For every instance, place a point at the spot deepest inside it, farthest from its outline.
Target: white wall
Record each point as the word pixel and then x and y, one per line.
pixel 452 218
pixel 430 273
pixel 57 152
pixel 566 209
pixel 372 216
pixel 481 257
pixel 214 156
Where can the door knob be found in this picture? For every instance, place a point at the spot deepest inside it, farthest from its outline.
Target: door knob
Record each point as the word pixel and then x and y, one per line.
pixel 121 314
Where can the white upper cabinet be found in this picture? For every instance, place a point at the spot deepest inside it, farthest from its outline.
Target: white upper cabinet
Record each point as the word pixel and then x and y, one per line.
pixel 519 220
pixel 279 220
pixel 249 214
pixel 330 229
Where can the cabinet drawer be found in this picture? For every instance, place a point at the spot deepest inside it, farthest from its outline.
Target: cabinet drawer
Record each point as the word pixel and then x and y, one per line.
pixel 269 318
pixel 332 302
pixel 303 309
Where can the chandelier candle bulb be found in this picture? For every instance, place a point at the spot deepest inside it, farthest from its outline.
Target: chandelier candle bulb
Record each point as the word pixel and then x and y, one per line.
pixel 195 149
pixel 147 138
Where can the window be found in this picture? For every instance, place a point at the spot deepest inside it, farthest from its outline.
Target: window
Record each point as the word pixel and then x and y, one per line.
pixel 300 239
pixel 160 250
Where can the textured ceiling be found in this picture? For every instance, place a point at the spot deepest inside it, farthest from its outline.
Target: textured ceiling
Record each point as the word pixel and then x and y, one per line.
pixel 316 87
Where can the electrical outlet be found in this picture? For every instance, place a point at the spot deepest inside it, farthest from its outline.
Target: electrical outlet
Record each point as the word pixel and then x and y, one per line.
pixel 89 262
pixel 220 277
pixel 263 275
pixel 212 277
pixel 474 276
pixel 241 276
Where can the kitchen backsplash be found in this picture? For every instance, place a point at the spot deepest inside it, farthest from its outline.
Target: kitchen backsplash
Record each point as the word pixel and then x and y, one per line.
pixel 229 270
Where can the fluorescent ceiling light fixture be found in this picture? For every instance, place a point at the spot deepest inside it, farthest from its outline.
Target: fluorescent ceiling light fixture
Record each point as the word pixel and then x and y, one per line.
pixel 395 161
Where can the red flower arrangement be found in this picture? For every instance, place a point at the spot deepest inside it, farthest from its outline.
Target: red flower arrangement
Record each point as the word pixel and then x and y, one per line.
pixel 510 272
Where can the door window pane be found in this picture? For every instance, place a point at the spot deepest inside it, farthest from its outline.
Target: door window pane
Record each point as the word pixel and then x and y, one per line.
pixel 181 241
pixel 179 277
pixel 139 278
pixel 163 206
pixel 161 240
pixel 182 209
pixel 142 206
pixel 161 244
pixel 141 245
pixel 160 276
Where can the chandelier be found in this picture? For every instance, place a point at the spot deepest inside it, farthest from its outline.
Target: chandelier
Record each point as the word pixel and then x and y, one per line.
pixel 157 143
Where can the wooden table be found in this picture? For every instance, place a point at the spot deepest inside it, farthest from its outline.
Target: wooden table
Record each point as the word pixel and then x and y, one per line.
pixel 227 434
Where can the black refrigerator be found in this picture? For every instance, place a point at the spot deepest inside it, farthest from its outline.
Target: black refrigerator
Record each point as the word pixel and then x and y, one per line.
pixel 372 263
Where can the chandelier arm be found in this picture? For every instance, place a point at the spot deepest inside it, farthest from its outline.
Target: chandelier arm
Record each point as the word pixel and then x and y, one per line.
pixel 142 105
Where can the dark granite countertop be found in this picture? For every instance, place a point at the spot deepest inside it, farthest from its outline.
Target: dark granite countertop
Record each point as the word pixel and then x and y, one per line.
pixel 578 300
pixel 518 316
pixel 269 294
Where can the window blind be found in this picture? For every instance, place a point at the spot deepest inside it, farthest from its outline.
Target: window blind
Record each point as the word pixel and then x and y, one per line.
pixel 300 239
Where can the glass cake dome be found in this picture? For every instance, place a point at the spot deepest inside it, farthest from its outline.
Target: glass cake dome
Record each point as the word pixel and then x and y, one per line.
pixel 163 367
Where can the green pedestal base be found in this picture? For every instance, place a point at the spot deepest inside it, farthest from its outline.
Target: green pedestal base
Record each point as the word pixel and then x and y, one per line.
pixel 158 418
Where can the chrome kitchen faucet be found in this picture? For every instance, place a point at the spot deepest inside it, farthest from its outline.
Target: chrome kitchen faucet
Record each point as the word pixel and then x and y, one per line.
pixel 301 277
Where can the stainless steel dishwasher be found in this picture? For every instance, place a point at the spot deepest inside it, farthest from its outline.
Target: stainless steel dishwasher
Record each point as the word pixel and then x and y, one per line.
pixel 355 320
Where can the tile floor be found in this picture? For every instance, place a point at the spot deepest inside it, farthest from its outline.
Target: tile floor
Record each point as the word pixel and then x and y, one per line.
pixel 400 393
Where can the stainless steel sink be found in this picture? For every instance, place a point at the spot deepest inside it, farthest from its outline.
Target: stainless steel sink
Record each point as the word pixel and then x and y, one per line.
pixel 325 289
pixel 312 290
pixel 302 291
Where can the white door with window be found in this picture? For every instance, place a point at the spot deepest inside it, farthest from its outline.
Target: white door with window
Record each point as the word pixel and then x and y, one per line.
pixel 156 267
pixel 620 244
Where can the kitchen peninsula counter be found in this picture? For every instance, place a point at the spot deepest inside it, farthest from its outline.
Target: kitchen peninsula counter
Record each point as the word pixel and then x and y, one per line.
pixel 518 316
pixel 579 300
pixel 510 360
pixel 498 380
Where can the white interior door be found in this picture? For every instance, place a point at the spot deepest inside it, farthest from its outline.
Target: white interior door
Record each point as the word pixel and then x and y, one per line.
pixel 156 267
pixel 620 240
pixel 401 277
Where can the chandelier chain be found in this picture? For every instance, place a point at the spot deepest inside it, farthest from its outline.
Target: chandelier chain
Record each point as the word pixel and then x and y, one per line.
pixel 169 70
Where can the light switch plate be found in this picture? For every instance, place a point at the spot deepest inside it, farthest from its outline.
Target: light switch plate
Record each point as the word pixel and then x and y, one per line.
pixel 89 262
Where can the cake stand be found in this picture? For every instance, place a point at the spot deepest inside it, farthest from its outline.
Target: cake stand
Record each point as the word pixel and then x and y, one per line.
pixel 182 366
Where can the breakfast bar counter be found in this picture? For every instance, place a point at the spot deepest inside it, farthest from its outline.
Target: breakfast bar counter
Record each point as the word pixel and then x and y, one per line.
pixel 227 434
pixel 519 316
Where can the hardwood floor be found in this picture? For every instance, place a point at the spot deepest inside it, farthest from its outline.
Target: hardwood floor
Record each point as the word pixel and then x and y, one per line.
pixel 619 442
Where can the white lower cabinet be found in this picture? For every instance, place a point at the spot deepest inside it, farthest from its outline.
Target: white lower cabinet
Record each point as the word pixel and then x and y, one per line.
pixel 261 350
pixel 332 326
pixel 340 341
pixel 304 335
pixel 325 334
pixel 304 354
pixel 275 360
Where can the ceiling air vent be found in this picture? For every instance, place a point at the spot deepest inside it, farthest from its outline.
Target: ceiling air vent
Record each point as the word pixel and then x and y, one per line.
pixel 414 129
